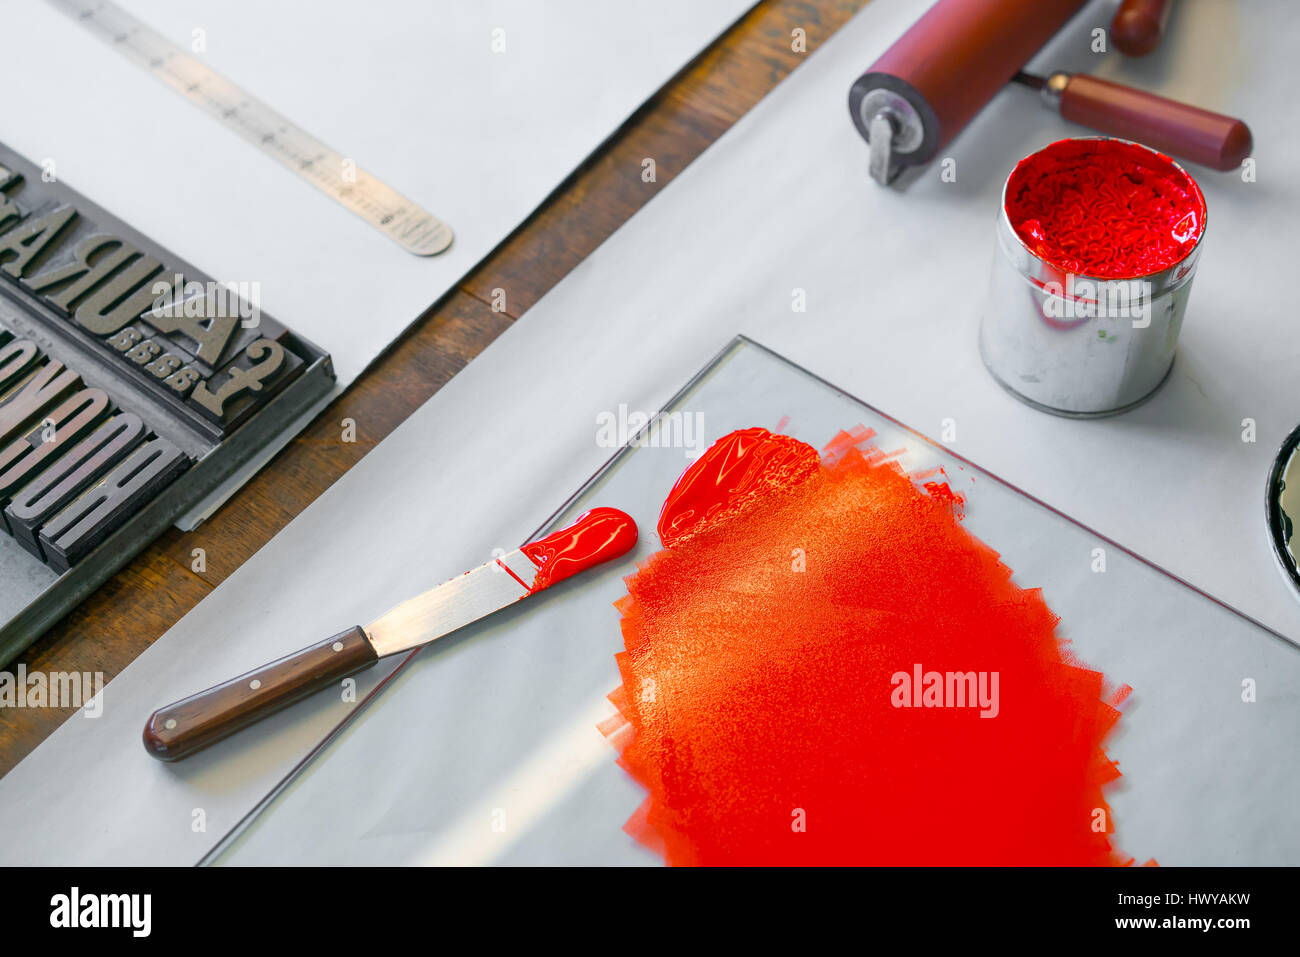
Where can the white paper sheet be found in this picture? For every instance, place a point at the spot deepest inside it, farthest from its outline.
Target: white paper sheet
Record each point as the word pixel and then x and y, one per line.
pixel 410 89
pixel 893 283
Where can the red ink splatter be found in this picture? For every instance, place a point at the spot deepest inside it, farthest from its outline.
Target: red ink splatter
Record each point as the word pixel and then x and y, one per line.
pixel 761 655
pixel 1105 208
pixel 596 536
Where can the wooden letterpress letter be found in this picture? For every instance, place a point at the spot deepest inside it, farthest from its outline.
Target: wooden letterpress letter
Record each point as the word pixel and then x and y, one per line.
pixel 74 472
pixel 24 458
pixel 50 384
pixel 79 528
pixel 16 358
pixel 26 241
pixel 79 277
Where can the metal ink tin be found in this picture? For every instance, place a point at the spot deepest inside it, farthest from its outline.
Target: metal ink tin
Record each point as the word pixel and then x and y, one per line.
pixel 1079 345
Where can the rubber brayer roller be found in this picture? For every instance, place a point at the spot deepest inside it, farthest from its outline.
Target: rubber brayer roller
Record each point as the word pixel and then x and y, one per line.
pixel 942 71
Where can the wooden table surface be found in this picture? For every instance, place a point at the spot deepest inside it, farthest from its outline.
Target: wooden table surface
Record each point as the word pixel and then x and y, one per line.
pixel 130 611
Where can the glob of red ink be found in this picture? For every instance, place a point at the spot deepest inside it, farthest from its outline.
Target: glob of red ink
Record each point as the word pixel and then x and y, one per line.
pixel 1105 208
pixel 597 536
pixel 737 470
pixel 761 655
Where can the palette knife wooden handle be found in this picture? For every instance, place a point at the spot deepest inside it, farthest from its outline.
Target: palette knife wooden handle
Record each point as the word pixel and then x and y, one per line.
pixel 178 730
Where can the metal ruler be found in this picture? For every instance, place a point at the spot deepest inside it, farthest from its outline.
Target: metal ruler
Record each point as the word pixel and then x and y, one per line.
pixel 401 220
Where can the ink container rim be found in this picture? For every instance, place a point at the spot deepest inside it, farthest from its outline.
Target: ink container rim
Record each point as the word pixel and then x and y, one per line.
pixel 1287 564
pixel 1161 279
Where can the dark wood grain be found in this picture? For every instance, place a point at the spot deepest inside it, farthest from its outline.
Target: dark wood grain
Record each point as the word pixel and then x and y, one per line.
pixel 108 630
pixel 188 726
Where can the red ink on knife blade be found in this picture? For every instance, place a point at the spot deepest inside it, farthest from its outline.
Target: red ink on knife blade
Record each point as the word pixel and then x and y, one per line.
pixel 1105 208
pixel 761 670
pixel 597 536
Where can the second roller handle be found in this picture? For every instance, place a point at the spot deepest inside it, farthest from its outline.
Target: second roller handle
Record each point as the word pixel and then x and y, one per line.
pixel 1189 132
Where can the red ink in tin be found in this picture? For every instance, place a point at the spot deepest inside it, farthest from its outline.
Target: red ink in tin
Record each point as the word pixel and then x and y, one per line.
pixel 1105 208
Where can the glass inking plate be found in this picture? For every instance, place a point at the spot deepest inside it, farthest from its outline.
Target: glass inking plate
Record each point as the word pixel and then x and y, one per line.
pixel 483 747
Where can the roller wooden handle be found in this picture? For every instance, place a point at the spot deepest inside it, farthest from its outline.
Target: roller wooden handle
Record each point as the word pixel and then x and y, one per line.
pixel 1139 24
pixel 190 725
pixel 1188 132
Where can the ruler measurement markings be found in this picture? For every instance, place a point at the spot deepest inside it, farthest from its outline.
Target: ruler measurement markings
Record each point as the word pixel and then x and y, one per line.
pixel 271 132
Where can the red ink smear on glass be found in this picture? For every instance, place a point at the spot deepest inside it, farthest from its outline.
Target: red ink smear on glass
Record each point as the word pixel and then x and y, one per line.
pixel 597 536
pixel 1105 208
pixel 762 651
